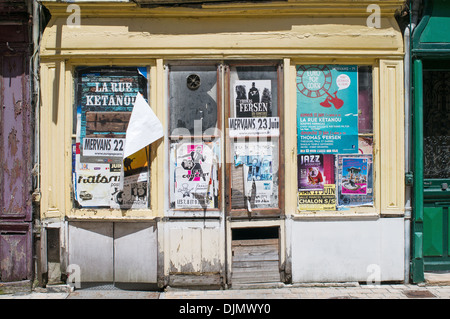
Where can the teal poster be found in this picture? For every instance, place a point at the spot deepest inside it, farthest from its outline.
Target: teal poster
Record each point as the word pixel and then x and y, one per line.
pixel 327 109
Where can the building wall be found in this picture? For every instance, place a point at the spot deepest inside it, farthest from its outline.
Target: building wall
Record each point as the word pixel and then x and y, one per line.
pixel 333 32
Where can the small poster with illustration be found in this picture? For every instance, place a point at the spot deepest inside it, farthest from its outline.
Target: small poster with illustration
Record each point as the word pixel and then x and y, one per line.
pixel 354 176
pixel 193 176
pixel 311 172
pixel 314 171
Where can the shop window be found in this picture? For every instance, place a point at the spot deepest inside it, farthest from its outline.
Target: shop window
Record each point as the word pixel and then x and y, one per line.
pixel 334 137
pixel 251 95
pixel 194 137
pixel 254 143
pixel 104 99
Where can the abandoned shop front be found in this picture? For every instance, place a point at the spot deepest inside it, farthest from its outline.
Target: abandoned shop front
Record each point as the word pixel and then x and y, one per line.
pixel 222 144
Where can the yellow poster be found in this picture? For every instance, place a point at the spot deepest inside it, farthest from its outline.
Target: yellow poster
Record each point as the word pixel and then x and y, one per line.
pixel 137 162
pixel 318 199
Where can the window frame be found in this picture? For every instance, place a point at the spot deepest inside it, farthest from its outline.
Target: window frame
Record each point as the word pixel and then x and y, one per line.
pixel 272 212
pixel 105 213
pixel 373 210
pixel 223 112
pixel 172 139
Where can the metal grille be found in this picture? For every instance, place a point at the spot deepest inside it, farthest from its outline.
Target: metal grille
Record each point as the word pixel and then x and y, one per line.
pixel 436 118
pixel 418 294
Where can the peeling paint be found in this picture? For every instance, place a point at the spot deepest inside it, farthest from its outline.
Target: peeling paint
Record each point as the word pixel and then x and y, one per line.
pixel 15 172
pixel 16 155
pixel 13 264
pixel 13 141
pixel 17 108
pixel 205 266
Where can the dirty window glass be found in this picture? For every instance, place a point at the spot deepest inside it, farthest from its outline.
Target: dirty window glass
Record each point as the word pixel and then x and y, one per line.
pixel 192 99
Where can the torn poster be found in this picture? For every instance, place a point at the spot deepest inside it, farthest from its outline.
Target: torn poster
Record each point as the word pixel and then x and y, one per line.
pixel 133 194
pixel 256 159
pixel 258 179
pixel 99 184
pixel 132 191
pixel 104 99
pixel 193 176
pixel 365 145
pixel 93 184
pixel 243 149
pixel 143 129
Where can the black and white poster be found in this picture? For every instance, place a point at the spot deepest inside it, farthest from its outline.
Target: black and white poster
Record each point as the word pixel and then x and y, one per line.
pixel 193 176
pixel 253 98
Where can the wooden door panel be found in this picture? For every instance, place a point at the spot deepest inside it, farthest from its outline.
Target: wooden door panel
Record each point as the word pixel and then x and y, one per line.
pixel 433 231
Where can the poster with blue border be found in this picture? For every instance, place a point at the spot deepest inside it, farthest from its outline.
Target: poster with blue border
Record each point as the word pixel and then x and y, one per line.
pixel 104 99
pixel 354 176
pixel 327 109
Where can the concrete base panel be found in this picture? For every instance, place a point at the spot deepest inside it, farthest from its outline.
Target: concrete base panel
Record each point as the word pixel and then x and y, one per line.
pixel 91 249
pixel 368 251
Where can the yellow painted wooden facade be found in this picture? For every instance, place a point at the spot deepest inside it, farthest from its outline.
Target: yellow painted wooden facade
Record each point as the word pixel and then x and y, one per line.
pixel 294 32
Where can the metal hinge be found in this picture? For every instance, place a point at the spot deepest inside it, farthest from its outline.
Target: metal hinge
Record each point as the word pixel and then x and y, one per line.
pixel 409 179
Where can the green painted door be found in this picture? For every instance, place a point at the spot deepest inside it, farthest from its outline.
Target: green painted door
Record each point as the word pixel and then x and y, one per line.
pixel 436 165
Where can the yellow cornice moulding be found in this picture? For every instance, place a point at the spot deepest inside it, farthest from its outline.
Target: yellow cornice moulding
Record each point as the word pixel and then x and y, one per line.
pixel 305 8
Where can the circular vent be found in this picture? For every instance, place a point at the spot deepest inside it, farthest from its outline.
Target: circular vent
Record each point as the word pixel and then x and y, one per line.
pixel 193 82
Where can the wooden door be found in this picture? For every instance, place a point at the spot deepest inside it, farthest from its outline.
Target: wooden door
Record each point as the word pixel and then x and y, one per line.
pixel 15 162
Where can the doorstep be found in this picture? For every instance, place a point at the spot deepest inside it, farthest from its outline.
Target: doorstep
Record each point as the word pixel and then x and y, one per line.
pixel 437 278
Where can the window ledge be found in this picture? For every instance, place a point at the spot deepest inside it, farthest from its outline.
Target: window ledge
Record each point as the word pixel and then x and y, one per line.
pixel 111 215
pixel 347 215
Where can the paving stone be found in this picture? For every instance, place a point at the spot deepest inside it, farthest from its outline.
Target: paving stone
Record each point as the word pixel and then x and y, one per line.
pixel 388 291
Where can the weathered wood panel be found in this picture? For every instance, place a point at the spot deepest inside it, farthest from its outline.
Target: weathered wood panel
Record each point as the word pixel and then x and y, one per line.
pixel 194 250
pixel 195 253
pixel 255 261
pixel 15 247
pixel 15 135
